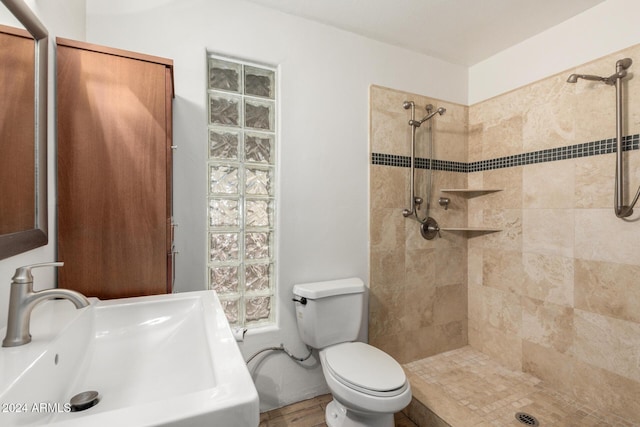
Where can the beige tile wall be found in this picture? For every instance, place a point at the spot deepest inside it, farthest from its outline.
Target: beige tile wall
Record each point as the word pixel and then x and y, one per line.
pixel 418 300
pixel 557 293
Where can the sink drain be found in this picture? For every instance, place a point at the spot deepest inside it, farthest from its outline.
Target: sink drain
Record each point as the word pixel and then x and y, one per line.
pixel 83 401
pixel 527 419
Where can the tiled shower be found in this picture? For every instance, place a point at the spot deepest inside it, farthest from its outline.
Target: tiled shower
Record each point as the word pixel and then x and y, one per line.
pixel 418 300
pixel 554 294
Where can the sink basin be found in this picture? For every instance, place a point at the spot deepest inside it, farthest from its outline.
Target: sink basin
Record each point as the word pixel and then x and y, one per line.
pixel 162 360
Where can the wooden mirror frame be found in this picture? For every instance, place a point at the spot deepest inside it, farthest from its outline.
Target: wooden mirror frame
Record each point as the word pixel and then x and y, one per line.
pixel 15 243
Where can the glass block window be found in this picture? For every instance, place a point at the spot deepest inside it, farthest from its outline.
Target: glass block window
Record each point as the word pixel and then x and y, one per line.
pixel 241 182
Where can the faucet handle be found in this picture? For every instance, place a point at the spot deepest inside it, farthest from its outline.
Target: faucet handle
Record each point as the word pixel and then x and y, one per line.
pixel 23 274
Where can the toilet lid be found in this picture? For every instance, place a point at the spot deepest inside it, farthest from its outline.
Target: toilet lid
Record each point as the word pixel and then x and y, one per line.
pixel 365 367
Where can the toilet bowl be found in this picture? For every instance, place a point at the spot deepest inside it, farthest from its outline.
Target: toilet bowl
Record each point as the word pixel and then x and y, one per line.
pixel 368 385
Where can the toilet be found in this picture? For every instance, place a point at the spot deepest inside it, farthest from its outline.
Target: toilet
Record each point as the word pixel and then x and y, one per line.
pixel 368 386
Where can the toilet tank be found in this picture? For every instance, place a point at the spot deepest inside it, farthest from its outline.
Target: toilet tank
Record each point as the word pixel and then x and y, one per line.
pixel 329 312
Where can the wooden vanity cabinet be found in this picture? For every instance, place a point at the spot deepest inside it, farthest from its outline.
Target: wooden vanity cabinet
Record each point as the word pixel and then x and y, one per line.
pixel 114 166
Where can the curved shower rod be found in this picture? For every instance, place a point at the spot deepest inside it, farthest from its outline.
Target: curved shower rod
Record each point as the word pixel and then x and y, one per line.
pixel 621 210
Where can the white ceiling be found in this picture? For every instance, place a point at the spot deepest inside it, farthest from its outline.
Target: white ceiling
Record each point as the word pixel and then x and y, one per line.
pixel 463 32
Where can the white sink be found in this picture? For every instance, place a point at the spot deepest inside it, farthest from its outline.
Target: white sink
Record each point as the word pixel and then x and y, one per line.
pixel 164 360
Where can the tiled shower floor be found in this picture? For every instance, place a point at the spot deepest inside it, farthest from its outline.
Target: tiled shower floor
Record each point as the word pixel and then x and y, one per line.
pixel 467 388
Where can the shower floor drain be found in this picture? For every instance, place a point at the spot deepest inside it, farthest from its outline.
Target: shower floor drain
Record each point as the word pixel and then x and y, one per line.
pixel 527 419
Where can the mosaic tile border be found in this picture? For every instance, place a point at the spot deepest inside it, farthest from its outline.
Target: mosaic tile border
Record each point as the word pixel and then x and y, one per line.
pixel 593 148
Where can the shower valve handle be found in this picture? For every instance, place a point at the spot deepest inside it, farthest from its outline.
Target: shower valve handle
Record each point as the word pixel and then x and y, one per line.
pixel 430 228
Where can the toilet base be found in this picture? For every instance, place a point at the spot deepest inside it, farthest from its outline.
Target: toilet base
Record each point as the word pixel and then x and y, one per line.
pixel 336 415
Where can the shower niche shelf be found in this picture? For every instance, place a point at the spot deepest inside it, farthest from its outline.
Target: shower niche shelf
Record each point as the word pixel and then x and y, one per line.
pixel 471 231
pixel 470 193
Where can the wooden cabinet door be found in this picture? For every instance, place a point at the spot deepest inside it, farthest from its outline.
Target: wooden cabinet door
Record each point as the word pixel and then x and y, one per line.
pixel 113 173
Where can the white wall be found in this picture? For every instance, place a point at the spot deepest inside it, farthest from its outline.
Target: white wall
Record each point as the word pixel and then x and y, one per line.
pixel 324 79
pixel 599 31
pixel 64 18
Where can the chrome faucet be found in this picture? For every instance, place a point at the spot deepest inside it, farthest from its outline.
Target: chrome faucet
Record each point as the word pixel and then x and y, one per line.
pixel 23 299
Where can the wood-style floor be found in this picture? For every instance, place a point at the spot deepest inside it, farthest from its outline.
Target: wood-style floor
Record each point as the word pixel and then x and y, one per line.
pixel 310 413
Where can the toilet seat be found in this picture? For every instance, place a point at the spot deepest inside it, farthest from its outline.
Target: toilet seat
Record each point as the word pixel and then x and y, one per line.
pixel 366 369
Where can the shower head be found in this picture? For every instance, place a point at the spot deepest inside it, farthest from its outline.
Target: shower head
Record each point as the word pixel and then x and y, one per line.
pixel 429 109
pixel 611 80
pixel 429 115
pixel 573 78
pixel 621 71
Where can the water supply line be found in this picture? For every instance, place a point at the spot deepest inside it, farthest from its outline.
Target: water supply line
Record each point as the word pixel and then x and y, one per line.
pixel 621 210
pixel 284 350
pixel 430 156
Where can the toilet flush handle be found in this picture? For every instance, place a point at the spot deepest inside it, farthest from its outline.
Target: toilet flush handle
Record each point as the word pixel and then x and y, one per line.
pixel 301 300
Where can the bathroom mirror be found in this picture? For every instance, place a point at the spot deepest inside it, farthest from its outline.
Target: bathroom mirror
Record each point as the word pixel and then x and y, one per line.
pixel 23 140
